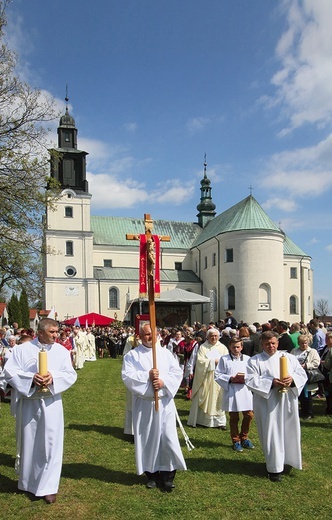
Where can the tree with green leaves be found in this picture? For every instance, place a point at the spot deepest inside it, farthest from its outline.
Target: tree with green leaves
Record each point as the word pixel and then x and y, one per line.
pixel 24 169
pixel 14 311
pixel 25 309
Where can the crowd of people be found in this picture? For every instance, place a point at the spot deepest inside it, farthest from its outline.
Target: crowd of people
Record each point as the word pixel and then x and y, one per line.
pixel 223 367
pixel 83 343
pixel 235 367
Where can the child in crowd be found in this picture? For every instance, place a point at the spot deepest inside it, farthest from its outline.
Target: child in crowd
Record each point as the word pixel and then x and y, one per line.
pixel 230 374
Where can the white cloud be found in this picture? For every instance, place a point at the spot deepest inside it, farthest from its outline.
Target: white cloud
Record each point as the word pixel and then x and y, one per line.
pixel 15 35
pixel 100 152
pixel 112 191
pixel 197 124
pixel 301 172
pixel 20 41
pixel 304 81
pixel 174 192
pixel 131 127
pixel 290 225
pixel 314 241
pixel 283 204
pixel 329 248
pixel 215 172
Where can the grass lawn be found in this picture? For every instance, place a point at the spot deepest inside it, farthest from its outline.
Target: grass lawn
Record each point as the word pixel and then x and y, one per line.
pixel 99 479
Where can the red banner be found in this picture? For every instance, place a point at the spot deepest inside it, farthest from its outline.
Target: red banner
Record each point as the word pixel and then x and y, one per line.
pixel 143 288
pixel 157 266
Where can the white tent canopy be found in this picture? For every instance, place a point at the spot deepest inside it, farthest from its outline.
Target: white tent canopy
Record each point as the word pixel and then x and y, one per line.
pixel 179 296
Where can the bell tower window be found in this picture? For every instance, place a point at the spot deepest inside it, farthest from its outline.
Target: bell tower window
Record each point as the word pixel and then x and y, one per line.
pixel 68 212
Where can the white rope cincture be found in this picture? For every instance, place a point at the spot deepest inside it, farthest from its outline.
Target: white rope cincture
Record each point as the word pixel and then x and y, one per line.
pixel 19 437
pixel 189 444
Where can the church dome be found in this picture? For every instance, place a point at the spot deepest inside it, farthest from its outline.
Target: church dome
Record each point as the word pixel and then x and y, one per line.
pixel 206 205
pixel 67 120
pixel 205 181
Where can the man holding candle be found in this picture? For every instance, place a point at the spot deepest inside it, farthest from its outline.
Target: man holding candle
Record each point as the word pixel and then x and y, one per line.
pixel 276 385
pixel 39 371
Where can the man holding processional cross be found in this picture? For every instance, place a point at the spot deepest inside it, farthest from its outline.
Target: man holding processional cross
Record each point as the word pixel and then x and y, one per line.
pixel 153 376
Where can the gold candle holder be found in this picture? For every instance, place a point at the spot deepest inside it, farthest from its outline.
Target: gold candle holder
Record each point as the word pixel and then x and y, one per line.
pixel 283 367
pixel 42 362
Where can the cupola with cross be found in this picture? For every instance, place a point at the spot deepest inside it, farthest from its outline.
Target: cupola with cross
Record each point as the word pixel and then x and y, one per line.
pixel 206 207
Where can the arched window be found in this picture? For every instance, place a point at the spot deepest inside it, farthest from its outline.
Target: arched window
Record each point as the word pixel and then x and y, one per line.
pixel 264 296
pixel 230 298
pixel 113 298
pixel 293 305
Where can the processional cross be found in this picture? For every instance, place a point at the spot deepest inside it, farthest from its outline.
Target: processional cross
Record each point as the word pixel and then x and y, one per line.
pixel 149 277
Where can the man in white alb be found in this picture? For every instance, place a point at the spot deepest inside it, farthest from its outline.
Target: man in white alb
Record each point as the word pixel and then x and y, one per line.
pixel 275 404
pixel 157 447
pixel 39 415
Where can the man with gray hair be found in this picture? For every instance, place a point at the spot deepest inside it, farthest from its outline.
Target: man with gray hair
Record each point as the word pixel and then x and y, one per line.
pixel 37 405
pixel 206 393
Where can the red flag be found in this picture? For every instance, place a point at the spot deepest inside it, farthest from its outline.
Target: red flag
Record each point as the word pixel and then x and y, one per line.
pixel 157 266
pixel 142 267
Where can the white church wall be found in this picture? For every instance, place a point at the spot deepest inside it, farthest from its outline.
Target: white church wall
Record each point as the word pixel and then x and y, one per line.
pixel 58 260
pixel 257 259
pixel 299 285
pixel 68 297
pixel 80 219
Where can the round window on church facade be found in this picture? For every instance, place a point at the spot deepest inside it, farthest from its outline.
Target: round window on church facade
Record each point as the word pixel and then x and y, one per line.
pixel 70 271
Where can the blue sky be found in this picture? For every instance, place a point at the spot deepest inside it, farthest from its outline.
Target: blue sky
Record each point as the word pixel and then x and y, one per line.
pixel 156 84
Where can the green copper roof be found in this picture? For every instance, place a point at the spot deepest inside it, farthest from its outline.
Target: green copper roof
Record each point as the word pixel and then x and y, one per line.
pixel 130 274
pixel 113 230
pixel 292 249
pixel 245 215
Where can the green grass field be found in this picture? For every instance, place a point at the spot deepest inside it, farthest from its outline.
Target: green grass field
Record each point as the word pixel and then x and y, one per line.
pixel 99 478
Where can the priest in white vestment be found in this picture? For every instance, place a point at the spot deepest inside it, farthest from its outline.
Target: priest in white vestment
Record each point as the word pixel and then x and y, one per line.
pixel 157 447
pixel 206 408
pixel 39 415
pixel 80 347
pixel 91 345
pixel 276 412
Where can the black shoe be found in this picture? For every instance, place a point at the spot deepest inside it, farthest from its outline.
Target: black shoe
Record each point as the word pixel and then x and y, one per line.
pixel 307 417
pixel 275 477
pixel 151 484
pixel 168 487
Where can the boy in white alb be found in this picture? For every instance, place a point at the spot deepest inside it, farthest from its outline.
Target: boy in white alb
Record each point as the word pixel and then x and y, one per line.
pixel 230 374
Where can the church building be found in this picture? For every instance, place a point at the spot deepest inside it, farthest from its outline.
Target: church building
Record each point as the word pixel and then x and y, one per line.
pixel 240 258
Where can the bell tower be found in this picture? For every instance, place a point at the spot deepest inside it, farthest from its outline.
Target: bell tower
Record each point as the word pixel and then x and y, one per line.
pixel 206 207
pixel 69 285
pixel 68 164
